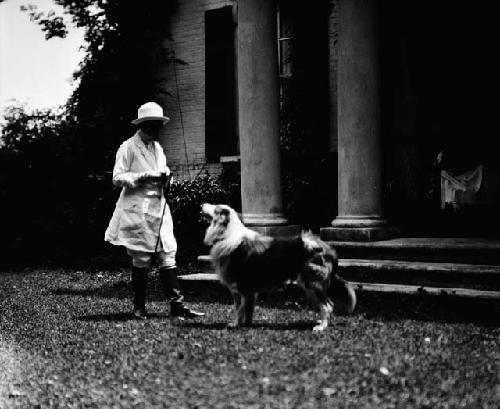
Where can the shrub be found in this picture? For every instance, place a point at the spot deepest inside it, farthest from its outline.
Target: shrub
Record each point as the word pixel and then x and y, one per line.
pixel 36 183
pixel 185 200
pixel 57 203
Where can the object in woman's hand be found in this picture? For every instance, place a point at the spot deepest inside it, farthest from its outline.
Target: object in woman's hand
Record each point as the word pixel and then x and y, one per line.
pixel 163 178
pixel 152 176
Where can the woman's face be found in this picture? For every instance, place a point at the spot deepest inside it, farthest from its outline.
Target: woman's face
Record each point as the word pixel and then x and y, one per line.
pixel 152 128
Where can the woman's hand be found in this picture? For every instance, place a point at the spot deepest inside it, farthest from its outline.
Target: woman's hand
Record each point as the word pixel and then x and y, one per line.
pixel 155 176
pixel 151 176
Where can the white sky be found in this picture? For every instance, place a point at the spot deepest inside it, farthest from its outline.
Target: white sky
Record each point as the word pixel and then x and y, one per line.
pixel 34 70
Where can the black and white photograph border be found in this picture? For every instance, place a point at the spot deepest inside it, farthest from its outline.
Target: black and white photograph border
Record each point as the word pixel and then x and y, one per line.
pixel 193 189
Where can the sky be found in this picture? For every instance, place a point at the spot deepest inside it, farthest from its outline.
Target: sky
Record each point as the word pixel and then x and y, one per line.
pixel 33 70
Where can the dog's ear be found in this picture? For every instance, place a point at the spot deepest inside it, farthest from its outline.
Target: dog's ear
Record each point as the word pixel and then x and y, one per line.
pixel 311 242
pixel 223 211
pixel 222 214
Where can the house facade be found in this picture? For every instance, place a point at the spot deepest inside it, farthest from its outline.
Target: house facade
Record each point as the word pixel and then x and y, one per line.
pixel 400 99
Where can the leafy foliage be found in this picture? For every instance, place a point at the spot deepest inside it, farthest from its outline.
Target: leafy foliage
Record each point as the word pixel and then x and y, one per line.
pixel 125 57
pixel 52 25
pixel 185 200
pixel 56 209
pixel 38 159
pixel 56 166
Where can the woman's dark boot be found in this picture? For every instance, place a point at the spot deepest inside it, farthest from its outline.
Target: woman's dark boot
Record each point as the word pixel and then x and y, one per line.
pixel 172 290
pixel 139 276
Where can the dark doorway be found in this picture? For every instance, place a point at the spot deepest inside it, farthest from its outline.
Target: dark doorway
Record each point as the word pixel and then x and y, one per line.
pixel 439 81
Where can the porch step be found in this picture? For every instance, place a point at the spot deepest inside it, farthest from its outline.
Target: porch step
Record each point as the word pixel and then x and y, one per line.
pixel 435 274
pixel 449 250
pixel 211 278
pixel 208 277
pixel 416 289
pixel 419 266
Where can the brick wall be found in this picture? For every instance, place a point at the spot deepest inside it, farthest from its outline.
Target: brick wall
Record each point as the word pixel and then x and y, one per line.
pixel 184 137
pixel 333 62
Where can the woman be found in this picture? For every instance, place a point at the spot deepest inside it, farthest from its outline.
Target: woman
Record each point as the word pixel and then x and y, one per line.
pixel 142 222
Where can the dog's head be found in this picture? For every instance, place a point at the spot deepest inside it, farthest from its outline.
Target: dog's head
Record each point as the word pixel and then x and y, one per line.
pixel 224 223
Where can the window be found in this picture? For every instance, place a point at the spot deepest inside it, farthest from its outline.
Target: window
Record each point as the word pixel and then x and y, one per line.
pixel 221 137
pixel 285 40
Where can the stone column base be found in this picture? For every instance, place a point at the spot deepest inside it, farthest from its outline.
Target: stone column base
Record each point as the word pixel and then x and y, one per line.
pixel 358 233
pixel 264 219
pixel 277 231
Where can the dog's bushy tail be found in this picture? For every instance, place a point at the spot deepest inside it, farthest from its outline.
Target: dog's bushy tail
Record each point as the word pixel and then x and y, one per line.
pixel 339 291
pixel 342 294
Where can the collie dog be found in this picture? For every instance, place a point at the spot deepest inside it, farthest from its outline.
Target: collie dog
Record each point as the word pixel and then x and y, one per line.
pixel 248 263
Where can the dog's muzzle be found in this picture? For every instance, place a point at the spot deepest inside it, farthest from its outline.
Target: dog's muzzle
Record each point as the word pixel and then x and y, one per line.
pixel 208 209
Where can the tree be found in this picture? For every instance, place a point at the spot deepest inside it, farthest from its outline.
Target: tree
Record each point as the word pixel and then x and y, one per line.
pixel 125 57
pixel 55 167
pixel 36 192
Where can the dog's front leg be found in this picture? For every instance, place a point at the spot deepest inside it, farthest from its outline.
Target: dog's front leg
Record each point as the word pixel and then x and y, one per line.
pixel 325 310
pixel 248 302
pixel 238 320
pixel 322 304
pixel 244 304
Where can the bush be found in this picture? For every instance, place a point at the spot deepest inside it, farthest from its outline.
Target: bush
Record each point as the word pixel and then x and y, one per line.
pixel 185 200
pixel 57 203
pixel 36 184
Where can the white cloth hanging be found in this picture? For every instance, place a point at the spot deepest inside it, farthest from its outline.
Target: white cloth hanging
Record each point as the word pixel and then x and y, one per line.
pixel 461 189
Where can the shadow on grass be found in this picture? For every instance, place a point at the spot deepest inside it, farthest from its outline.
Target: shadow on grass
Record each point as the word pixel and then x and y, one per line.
pixel 119 316
pixel 435 308
pixel 116 290
pixel 198 291
pixel 376 306
pixel 296 326
pixel 119 290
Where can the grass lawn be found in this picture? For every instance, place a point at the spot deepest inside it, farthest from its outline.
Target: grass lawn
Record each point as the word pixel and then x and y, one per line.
pixel 66 341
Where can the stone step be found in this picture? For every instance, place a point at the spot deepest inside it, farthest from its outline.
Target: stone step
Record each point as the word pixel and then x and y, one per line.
pixel 419 266
pixel 417 289
pixel 204 263
pixel 450 250
pixel 478 276
pixel 208 277
pixel 211 278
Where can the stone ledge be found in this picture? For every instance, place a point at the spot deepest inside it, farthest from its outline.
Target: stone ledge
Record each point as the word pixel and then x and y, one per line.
pixel 277 231
pixel 448 250
pixel 204 261
pixel 425 243
pixel 199 277
pixel 358 233
pixel 426 290
pixel 381 287
pixel 420 266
